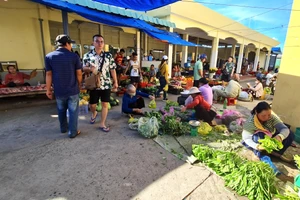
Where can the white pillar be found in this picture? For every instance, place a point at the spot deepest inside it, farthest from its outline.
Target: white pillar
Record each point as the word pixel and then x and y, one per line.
pixel 256 60
pixel 240 60
pixel 175 53
pixel 138 44
pixel 268 61
pixel 214 52
pixel 246 52
pixel 146 43
pixel 233 51
pixel 170 55
pixel 184 50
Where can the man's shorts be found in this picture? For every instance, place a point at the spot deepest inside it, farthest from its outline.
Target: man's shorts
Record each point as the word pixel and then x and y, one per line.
pixel 95 95
pixel 135 79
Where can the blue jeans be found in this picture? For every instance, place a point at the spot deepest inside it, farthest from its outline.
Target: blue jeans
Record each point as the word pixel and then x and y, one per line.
pixel 163 83
pixel 70 103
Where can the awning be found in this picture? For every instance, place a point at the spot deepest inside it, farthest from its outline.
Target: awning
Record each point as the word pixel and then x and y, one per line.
pixel 121 11
pixel 116 20
pixel 276 50
pixel 141 5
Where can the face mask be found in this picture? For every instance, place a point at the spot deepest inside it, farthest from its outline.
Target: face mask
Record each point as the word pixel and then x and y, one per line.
pixel 132 94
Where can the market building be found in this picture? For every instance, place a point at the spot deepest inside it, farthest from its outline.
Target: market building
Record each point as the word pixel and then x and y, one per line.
pixel 31 26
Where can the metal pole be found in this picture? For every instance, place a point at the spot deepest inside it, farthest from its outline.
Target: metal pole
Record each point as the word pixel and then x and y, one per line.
pixel 65 22
pixel 42 36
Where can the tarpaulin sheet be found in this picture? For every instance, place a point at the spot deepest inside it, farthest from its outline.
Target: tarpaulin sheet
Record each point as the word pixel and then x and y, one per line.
pixel 116 20
pixel 141 5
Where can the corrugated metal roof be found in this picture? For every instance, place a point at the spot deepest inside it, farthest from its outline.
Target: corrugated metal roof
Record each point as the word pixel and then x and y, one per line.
pixel 121 11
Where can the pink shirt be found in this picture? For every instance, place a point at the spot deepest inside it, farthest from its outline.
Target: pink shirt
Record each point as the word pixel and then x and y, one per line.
pixel 17 78
pixel 207 93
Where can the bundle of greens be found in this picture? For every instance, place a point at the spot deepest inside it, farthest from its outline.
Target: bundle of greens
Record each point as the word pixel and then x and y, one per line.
pixel 252 179
pixel 170 104
pixel 173 126
pixel 270 144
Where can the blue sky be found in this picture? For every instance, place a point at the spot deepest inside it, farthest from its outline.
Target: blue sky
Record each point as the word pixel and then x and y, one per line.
pixel 264 22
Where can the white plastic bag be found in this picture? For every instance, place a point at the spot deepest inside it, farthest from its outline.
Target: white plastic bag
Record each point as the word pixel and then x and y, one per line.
pixel 148 127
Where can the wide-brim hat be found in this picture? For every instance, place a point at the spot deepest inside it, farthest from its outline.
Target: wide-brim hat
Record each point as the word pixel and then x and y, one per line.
pixel 194 90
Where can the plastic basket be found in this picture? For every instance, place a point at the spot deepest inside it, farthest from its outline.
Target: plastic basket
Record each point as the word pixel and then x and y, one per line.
pixel 297 135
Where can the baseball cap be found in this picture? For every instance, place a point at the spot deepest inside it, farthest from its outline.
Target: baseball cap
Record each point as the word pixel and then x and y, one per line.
pixel 63 39
pixel 165 57
pixel 202 56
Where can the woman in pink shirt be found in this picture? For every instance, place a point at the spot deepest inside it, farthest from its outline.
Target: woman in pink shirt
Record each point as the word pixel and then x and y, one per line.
pixel 15 78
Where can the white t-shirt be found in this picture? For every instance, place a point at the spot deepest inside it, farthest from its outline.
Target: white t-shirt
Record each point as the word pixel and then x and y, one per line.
pixel 269 79
pixel 135 68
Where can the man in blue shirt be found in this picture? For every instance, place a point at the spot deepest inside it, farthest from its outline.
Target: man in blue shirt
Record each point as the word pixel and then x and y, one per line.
pixel 64 71
pixel 132 102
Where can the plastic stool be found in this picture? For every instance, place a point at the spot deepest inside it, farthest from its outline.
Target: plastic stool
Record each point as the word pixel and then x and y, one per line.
pixel 231 101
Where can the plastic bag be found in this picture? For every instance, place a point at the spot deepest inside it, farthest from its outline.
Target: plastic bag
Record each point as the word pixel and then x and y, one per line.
pixel 166 88
pixel 152 104
pixel 148 127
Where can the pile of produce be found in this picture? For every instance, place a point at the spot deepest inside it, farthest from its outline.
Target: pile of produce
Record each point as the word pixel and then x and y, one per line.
pixel 173 126
pixel 113 101
pixel 83 102
pixel 256 180
pixel 152 104
pixel 270 144
pixel 150 90
pixel 204 128
pixel 170 104
pixel 297 160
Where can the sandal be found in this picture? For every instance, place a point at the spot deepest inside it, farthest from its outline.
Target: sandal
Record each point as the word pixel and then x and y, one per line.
pixel 73 136
pixel 92 121
pixel 104 129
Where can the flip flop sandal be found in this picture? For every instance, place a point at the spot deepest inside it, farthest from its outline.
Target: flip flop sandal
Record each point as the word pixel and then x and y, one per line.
pixel 93 120
pixel 78 133
pixel 105 129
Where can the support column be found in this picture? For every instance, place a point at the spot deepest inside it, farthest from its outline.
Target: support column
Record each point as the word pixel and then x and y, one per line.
pixel 197 50
pixel 170 55
pixel 232 53
pixel 240 60
pixel 268 60
pixel 64 15
pixel 101 32
pixel 184 50
pixel 246 52
pixel 138 44
pixel 175 53
pixel 225 51
pixel 256 60
pixel 146 43
pixel 214 52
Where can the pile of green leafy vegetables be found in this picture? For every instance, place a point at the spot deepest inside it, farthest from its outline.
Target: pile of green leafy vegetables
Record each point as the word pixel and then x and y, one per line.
pixel 270 144
pixel 256 180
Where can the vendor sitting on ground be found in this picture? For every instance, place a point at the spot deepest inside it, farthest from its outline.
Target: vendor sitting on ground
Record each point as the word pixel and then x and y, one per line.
pixel 176 71
pixel 152 73
pixel 15 78
pixel 263 121
pixel 257 90
pixel 205 91
pixel 202 108
pixel 232 90
pixel 133 102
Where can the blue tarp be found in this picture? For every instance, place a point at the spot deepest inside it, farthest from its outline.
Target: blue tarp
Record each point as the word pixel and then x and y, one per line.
pixel 276 50
pixel 116 20
pixel 141 5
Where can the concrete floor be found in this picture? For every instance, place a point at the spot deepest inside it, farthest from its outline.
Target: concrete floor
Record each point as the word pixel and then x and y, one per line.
pixel 37 162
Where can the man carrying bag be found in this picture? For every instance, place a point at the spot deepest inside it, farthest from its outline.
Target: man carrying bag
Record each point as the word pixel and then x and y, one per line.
pixel 100 65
